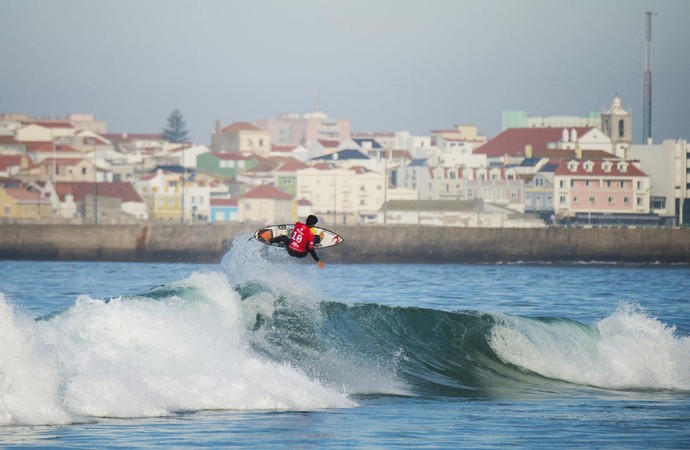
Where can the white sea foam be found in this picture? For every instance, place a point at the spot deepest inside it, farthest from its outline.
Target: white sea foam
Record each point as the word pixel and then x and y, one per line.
pixel 144 356
pixel 626 350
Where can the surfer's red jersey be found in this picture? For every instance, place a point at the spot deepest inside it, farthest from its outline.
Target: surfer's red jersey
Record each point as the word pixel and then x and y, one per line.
pixel 301 239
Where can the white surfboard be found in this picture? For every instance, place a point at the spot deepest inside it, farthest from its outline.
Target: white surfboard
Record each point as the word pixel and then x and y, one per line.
pixel 264 235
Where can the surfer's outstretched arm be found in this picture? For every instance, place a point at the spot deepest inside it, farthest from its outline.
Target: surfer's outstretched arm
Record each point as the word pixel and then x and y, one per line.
pixel 313 254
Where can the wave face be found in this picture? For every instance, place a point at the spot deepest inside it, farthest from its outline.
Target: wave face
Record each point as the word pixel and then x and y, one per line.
pixel 255 337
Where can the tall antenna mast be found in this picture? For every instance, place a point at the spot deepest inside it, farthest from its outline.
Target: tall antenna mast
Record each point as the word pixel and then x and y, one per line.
pixel 647 110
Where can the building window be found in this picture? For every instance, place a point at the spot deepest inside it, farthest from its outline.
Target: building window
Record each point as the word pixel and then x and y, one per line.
pixel 611 201
pixel 659 203
pixel 626 200
pixel 576 199
pixel 591 200
pixel 562 199
pixel 621 128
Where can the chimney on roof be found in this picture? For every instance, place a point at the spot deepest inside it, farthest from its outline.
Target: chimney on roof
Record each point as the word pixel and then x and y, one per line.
pixel 528 151
pixel 578 152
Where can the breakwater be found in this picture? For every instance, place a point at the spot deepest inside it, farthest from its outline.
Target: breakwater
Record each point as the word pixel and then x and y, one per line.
pixel 206 243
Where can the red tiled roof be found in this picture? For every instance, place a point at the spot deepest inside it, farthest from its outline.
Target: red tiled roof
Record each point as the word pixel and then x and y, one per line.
pixel 267 191
pixel 359 169
pixel 556 154
pixel 49 147
pixel 328 143
pixel 123 191
pixel 9 140
pixel 322 166
pixel 240 126
pixel 10 161
pixel 512 142
pixel 23 195
pixel 291 166
pixel 223 202
pixel 598 169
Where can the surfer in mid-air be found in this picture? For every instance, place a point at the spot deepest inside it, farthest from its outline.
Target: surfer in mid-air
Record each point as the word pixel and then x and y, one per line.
pixel 301 241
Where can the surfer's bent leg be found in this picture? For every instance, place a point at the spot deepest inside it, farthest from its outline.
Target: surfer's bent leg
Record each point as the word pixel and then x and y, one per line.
pixel 282 240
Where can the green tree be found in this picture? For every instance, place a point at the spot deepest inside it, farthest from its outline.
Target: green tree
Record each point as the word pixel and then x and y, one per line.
pixel 175 131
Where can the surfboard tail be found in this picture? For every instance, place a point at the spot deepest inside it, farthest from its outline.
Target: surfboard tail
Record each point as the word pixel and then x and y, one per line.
pixel 265 236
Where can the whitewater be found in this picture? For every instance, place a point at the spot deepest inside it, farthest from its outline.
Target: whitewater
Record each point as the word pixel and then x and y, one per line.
pixel 262 334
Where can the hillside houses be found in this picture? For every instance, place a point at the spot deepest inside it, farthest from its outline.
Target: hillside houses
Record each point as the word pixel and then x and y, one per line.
pixel 63 170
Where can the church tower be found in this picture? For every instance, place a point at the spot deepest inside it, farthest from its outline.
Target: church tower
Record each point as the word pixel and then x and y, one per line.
pixel 616 123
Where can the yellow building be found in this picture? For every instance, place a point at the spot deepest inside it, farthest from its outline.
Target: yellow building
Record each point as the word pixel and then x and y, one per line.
pixel 241 137
pixel 18 203
pixel 167 193
pixel 162 192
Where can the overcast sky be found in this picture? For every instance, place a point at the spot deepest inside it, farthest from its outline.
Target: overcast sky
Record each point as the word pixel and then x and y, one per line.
pixel 386 65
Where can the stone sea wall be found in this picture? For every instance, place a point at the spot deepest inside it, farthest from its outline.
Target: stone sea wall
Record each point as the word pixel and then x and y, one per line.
pixel 363 244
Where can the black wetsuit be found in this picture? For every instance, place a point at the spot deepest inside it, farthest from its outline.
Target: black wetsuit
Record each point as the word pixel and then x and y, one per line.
pixel 285 242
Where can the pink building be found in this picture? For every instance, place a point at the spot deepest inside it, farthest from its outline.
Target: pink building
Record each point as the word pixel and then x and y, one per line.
pixel 600 187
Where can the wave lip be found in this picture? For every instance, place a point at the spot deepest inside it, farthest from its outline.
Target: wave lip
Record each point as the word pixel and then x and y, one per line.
pixel 628 350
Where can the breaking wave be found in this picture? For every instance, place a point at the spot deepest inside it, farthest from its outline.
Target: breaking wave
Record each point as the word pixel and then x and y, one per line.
pixel 248 338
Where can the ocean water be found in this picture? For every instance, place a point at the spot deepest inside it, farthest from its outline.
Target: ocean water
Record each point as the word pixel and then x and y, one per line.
pixel 264 351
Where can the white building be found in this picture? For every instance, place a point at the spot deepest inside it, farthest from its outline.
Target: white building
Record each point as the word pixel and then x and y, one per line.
pixel 342 195
pixel 668 167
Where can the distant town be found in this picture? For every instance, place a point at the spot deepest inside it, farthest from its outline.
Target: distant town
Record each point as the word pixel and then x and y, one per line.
pixel 537 172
